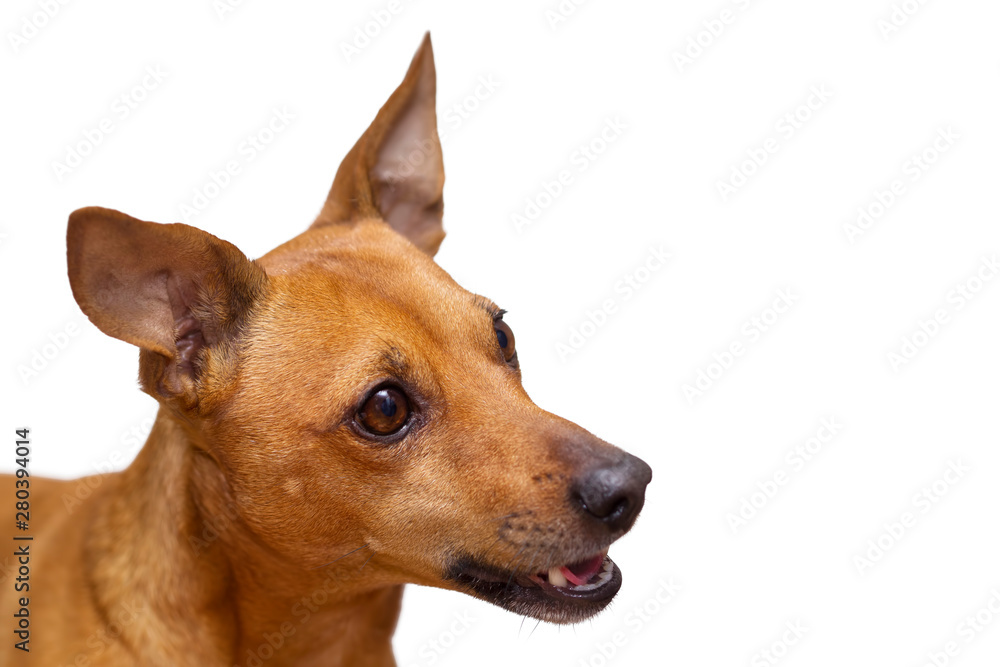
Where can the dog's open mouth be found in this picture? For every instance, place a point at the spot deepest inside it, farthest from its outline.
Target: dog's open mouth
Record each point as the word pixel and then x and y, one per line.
pixel 577 579
pixel 561 594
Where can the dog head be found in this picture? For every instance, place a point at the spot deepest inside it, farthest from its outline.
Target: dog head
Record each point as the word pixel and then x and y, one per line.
pixel 351 394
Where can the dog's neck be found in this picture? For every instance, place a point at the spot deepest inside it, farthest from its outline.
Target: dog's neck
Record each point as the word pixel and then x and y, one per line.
pixel 167 543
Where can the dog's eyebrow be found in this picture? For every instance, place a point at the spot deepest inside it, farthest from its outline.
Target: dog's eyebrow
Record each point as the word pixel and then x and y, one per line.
pixel 394 360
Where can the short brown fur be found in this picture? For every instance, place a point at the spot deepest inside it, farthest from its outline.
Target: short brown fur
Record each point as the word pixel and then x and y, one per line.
pixel 256 504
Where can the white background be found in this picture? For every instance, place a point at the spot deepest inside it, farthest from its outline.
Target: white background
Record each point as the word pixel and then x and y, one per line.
pixel 686 127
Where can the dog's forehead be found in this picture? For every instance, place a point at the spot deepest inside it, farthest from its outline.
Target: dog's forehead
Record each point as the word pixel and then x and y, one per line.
pixel 364 273
pixel 366 241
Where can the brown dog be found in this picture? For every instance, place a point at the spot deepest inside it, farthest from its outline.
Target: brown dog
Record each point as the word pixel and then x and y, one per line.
pixel 338 418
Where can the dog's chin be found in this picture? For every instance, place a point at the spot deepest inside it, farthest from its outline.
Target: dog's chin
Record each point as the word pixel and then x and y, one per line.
pixel 566 594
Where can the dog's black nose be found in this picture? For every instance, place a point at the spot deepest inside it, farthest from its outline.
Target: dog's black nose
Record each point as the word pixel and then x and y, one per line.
pixel 614 494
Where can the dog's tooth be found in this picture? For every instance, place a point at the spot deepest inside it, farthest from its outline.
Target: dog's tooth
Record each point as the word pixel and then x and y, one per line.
pixel 556 578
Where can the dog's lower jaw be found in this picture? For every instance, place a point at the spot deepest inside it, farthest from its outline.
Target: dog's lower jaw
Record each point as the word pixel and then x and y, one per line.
pixel 193 602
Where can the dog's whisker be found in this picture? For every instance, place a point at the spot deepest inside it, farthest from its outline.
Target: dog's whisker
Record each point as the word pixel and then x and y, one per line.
pixel 534 628
pixel 344 556
pixel 548 561
pixel 366 561
pixel 491 547
pixel 532 563
pixel 514 566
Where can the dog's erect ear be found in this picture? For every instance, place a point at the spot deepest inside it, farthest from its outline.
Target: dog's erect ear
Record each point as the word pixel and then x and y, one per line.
pixel 395 170
pixel 173 290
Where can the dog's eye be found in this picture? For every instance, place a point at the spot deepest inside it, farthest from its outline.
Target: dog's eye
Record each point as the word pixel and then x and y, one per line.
pixel 385 411
pixel 505 337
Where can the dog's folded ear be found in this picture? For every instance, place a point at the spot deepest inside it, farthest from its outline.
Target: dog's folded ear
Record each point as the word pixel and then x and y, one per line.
pixel 175 291
pixel 395 171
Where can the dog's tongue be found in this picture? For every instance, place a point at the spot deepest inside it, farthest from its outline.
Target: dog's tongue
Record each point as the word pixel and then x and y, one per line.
pixel 580 573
